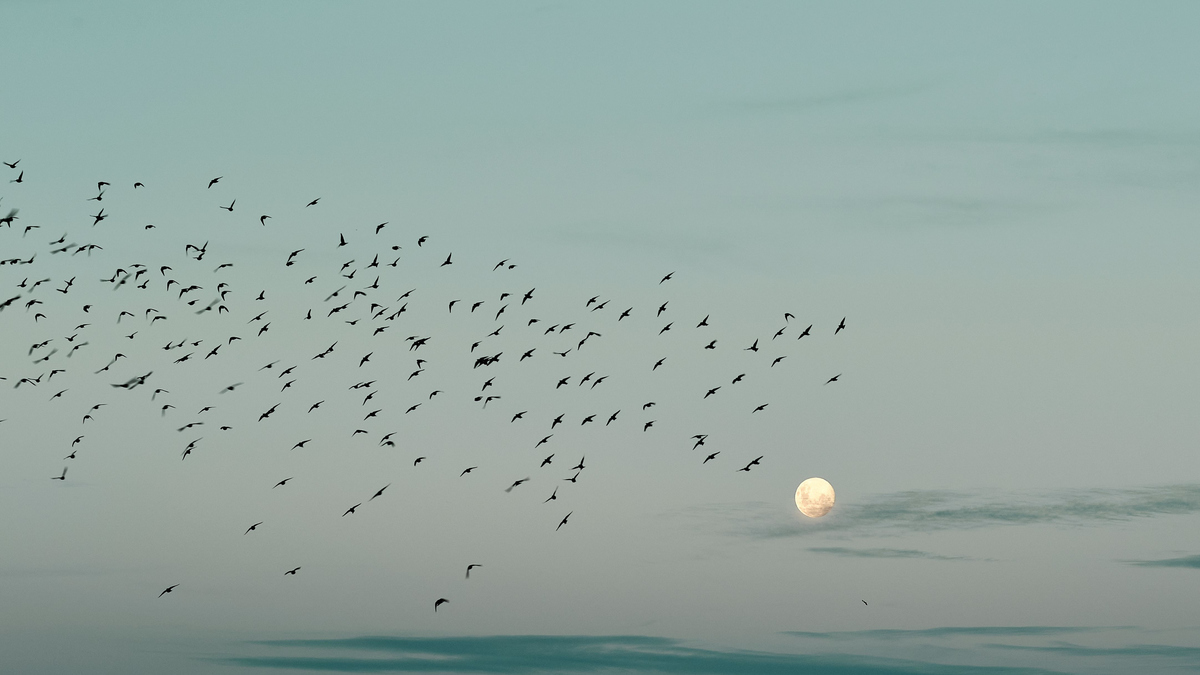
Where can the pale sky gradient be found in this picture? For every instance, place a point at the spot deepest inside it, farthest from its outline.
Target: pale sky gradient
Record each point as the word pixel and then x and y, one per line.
pixel 1001 199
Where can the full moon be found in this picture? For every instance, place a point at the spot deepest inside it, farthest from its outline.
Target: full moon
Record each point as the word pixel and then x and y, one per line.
pixel 814 497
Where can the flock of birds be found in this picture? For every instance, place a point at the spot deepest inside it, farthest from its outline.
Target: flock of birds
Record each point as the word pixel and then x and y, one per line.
pixel 73 343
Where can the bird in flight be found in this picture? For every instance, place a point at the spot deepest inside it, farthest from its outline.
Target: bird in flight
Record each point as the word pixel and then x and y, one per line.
pixel 252 528
pixel 747 467
pixel 168 590
pixel 438 603
pixel 291 572
pixel 470 567
pixel 63 476
pixel 564 521
pixel 833 379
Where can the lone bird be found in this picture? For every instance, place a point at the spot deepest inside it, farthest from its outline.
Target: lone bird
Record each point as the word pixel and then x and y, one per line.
pixel 168 590
pixel 470 567
pixel 291 572
pixel 438 603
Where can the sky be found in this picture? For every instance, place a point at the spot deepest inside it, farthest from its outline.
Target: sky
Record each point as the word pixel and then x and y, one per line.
pixel 999 200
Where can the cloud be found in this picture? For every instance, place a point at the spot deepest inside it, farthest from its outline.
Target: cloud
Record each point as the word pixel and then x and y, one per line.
pixel 953 632
pixel 1139 651
pixel 831 99
pixel 575 654
pixel 883 553
pixel 1192 561
pixel 933 510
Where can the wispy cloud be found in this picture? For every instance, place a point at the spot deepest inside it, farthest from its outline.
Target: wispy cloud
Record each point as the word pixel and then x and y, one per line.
pixel 574 654
pixel 933 510
pixel 883 553
pixel 953 632
pixel 801 103
pixel 1139 651
pixel 1190 561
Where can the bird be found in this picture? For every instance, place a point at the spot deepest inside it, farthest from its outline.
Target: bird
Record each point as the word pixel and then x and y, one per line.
pixel 515 484
pixel 291 572
pixel 841 326
pixel 313 202
pixel 168 590
pixel 380 492
pixel 712 456
pixel 833 379
pixel 438 603
pixel 351 509
pixel 282 482
pixel 62 476
pixel 553 495
pixel 470 567
pixel 252 527
pixel 447 261
pixel 747 467
pixel 214 181
pixel 467 470
pixel 564 521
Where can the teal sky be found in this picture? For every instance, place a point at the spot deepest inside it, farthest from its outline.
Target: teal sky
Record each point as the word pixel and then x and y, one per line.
pixel 1001 199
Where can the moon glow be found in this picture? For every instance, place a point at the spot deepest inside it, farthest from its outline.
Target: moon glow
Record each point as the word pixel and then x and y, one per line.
pixel 814 497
